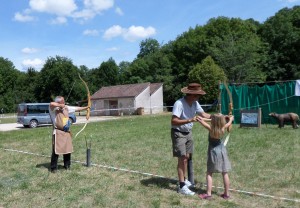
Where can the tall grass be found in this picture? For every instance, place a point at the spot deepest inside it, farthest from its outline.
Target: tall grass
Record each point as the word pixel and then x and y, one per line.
pixel 264 160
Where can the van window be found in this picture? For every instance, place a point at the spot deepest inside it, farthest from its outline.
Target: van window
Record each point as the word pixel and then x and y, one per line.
pixel 33 109
pixel 21 109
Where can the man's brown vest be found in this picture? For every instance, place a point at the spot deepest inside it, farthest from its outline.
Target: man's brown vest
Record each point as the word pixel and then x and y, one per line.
pixel 62 139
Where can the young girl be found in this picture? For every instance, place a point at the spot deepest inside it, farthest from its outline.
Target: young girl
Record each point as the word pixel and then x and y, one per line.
pixel 217 158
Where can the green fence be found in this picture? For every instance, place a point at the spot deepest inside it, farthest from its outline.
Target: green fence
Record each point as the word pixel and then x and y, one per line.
pixel 275 97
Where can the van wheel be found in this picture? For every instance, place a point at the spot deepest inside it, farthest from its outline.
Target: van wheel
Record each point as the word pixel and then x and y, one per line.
pixel 33 124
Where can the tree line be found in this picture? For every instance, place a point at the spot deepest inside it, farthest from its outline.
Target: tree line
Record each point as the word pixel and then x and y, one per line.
pixel 224 48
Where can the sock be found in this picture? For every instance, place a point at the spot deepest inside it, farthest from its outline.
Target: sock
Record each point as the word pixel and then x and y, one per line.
pixel 181 184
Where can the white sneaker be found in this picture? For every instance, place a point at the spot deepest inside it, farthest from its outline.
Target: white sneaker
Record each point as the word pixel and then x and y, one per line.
pixel 185 190
pixel 188 183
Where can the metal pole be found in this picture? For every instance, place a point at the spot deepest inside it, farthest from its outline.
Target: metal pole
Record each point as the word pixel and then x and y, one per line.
pixel 219 98
pixel 191 170
pixel 88 157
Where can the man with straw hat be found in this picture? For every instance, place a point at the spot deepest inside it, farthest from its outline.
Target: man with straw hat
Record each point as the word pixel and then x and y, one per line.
pixel 185 112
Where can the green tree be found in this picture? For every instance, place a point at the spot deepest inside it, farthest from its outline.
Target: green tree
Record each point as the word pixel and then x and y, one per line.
pixel 106 74
pixel 282 33
pixel 147 47
pixel 154 68
pixel 149 66
pixel 160 71
pixel 123 70
pixel 87 76
pixel 59 77
pixel 187 50
pixel 208 74
pixel 8 76
pixel 26 86
pixel 237 48
pixel 137 72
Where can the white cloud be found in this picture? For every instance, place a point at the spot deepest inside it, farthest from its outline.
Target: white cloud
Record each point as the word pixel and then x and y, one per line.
pixel 59 8
pixel 63 9
pixel 99 5
pixel 92 8
pixel 29 50
pixel 139 32
pixel 113 31
pixel 23 17
pixel 91 32
pixel 84 14
pixel 34 63
pixel 59 21
pixel 119 11
pixel 131 34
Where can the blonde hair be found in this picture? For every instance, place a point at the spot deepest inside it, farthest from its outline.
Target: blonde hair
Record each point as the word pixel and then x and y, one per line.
pixel 217 123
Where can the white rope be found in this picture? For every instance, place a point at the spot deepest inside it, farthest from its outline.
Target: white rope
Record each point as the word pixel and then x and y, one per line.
pixel 259 194
pixel 242 83
pixel 159 176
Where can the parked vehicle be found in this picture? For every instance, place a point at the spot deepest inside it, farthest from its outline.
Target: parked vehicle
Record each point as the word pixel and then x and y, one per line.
pixel 35 114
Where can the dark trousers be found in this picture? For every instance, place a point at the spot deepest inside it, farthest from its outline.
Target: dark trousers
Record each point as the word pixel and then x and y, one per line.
pixel 54 159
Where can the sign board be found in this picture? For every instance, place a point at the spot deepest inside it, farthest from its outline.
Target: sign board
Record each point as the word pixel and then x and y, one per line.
pixel 250 118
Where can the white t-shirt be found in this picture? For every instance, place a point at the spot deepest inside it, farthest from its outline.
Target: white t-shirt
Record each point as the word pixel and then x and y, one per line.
pixel 183 110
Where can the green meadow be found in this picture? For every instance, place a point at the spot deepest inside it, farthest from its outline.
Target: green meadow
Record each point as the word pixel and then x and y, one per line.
pixel 128 154
pixel 8 118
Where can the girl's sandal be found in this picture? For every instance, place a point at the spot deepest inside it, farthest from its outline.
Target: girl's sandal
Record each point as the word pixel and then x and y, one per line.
pixel 224 196
pixel 204 196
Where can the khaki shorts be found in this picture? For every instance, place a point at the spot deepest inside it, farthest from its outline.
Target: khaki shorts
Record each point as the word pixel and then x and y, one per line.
pixel 182 143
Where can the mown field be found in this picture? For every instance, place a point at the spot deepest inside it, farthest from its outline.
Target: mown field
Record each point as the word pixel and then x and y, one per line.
pixel 8 118
pixel 265 160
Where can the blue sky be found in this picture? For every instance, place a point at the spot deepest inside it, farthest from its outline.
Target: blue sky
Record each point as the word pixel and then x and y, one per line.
pixel 91 31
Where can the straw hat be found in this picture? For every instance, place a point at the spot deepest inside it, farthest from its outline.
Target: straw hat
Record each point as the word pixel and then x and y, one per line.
pixel 193 88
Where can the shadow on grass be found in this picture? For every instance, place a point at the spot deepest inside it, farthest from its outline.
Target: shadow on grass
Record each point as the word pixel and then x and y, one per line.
pixel 165 183
pixel 170 184
pixel 47 166
pixel 43 165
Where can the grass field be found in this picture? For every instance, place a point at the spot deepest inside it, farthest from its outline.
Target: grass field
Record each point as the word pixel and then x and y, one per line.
pixel 264 160
pixel 8 118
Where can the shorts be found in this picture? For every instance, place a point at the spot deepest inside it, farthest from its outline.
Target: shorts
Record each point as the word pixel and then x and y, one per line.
pixel 182 143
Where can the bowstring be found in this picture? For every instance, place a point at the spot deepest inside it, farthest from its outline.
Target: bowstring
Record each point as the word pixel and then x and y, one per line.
pixel 70 91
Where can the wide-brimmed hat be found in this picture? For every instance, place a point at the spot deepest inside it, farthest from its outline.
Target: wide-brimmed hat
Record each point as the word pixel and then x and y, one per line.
pixel 193 88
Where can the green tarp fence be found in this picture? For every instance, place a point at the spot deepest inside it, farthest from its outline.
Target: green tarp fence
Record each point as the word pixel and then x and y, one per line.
pixel 273 97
